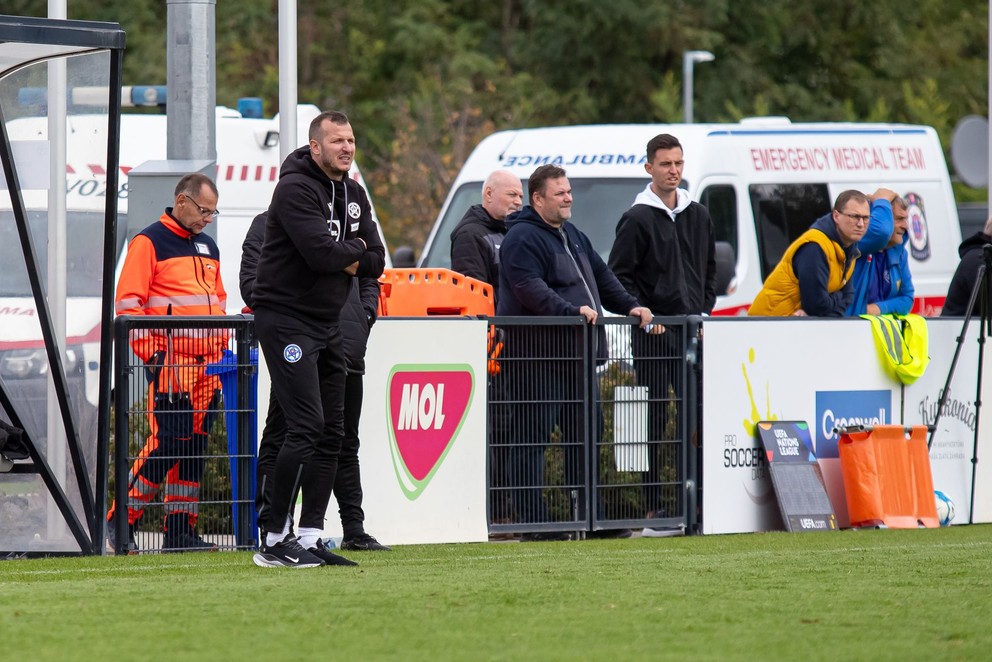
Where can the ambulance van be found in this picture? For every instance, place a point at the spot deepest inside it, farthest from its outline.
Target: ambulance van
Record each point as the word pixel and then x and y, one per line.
pixel 764 181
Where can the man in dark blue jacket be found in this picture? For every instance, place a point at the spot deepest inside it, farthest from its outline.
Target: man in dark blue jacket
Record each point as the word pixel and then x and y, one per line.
pixel 549 268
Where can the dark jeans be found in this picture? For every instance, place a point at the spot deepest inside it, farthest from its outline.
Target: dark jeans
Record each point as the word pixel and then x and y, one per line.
pixel 545 394
pixel 659 363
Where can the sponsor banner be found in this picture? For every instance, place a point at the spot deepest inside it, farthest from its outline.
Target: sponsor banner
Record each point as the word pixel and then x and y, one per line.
pixel 954 440
pixel 764 370
pixel 840 409
pixel 423 433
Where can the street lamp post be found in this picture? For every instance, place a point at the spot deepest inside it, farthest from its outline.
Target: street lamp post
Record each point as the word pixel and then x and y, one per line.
pixel 689 59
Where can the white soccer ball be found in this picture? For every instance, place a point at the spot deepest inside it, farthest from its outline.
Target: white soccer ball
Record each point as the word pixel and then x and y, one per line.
pixel 945 508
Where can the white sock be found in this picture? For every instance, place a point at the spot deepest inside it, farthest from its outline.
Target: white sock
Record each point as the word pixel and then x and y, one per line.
pixel 273 538
pixel 308 537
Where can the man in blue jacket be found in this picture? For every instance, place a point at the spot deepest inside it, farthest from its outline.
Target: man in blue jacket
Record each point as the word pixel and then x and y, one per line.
pixel 882 283
pixel 549 268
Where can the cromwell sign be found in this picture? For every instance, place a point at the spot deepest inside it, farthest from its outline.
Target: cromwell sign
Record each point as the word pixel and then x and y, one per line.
pixel 427 405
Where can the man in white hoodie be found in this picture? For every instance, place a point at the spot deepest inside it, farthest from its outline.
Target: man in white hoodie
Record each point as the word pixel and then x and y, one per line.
pixel 664 252
pixel 664 255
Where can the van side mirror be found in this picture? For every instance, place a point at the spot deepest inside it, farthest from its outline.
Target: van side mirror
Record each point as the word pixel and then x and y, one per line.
pixel 726 268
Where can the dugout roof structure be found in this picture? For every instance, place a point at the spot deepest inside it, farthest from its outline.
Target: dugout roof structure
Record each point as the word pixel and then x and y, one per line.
pixel 54 382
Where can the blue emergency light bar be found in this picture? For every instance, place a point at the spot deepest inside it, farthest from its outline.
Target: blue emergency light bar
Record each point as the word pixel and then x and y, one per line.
pixel 131 95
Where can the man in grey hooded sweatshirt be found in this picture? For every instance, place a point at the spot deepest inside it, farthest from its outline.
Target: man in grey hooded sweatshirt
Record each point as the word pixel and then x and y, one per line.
pixel 664 254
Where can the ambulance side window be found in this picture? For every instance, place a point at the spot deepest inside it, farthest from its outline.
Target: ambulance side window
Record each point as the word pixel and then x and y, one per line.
pixel 721 201
pixel 782 212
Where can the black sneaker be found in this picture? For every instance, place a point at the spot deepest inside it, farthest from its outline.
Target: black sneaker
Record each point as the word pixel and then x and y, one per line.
pixel 187 541
pixel 605 534
pixel 546 536
pixel 327 556
pixel 132 544
pixel 363 543
pixel 287 553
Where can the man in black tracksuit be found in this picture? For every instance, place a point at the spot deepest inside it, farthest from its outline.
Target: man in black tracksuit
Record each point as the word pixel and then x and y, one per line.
pixel 357 318
pixel 664 254
pixel 319 235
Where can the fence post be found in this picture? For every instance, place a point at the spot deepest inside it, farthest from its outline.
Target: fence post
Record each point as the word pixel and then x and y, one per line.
pixel 244 529
pixel 122 388
pixel 590 401
pixel 693 440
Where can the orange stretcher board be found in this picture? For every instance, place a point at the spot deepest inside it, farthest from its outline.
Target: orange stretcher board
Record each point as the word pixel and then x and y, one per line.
pixel 887 479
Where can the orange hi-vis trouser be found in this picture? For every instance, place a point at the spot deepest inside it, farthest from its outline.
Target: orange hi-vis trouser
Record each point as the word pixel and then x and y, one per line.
pixel 181 403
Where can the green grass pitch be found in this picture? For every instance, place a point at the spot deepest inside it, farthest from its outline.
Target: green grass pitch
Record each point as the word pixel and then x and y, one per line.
pixel 867 595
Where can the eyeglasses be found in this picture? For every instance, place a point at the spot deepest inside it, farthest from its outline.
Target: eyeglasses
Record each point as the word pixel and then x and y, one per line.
pixel 212 213
pixel 857 218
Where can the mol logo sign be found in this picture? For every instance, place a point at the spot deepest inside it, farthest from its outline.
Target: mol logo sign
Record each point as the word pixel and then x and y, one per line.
pixel 427 405
pixel 844 408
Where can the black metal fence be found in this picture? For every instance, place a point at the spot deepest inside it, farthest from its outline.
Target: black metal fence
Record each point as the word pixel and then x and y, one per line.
pixel 592 428
pixel 183 434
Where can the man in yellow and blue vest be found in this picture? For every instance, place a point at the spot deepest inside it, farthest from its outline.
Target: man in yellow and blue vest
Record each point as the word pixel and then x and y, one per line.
pixel 813 277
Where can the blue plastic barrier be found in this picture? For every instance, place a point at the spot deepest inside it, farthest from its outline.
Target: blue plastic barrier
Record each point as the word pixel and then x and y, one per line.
pixel 243 453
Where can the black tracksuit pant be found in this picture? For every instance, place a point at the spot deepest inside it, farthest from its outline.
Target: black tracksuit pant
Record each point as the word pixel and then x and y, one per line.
pixel 347 480
pixel 307 367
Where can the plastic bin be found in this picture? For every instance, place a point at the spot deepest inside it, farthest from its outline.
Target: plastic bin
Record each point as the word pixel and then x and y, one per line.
pixel 243 453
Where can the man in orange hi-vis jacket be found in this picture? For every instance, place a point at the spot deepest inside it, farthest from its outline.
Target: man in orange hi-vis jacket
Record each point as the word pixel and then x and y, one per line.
pixel 173 269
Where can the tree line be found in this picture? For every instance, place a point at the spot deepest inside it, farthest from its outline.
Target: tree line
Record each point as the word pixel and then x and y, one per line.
pixel 425 80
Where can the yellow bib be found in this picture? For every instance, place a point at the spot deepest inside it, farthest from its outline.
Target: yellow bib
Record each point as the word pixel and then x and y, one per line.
pixel 902 345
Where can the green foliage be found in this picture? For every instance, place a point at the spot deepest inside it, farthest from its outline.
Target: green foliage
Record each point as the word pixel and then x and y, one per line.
pixel 666 101
pixel 425 81
pixel 865 595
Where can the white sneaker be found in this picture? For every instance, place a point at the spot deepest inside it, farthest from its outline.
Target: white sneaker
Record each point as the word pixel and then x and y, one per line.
pixel 663 533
